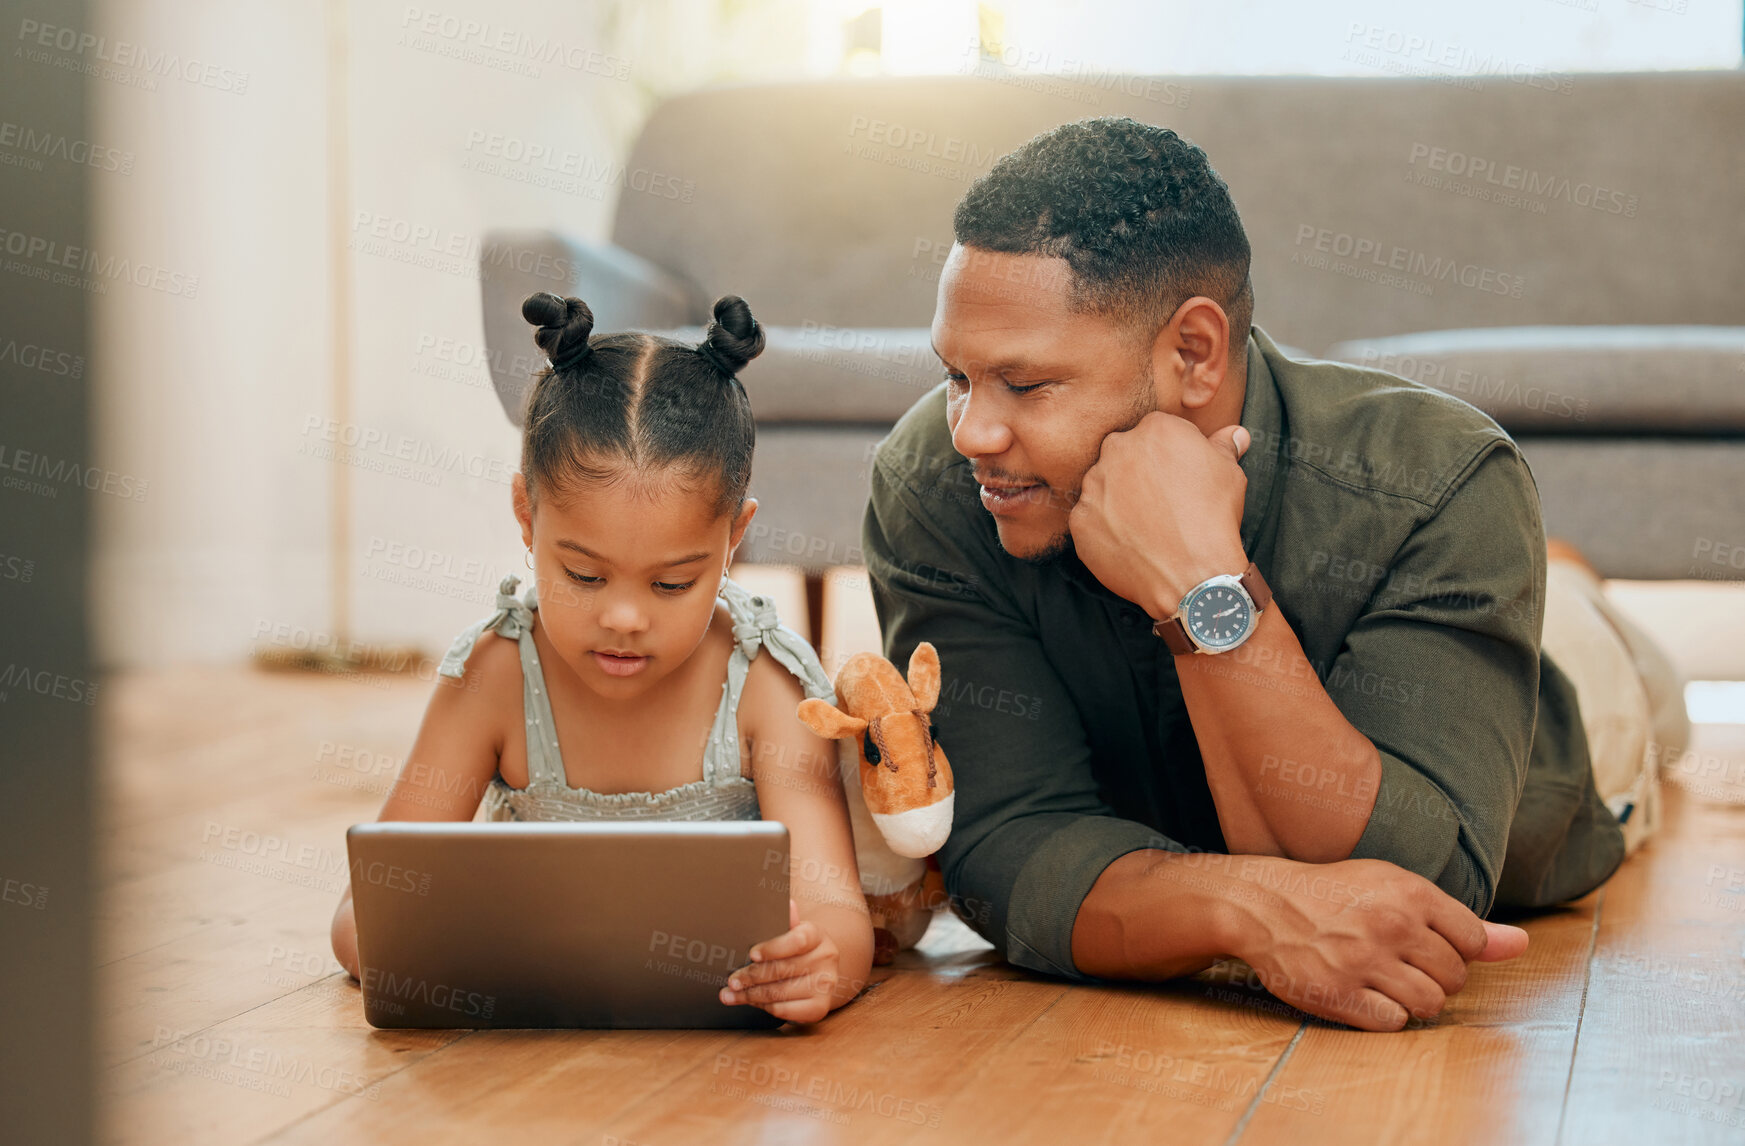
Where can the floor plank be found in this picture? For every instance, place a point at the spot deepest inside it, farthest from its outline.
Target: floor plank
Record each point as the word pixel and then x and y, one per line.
pixel 227 1021
pixel 1662 1050
pixel 1490 1068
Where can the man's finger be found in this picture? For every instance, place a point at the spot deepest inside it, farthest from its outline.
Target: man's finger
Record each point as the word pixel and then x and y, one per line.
pixel 1455 922
pixel 1502 942
pixel 1411 988
pixel 1233 440
pixel 1367 1009
pixel 1433 956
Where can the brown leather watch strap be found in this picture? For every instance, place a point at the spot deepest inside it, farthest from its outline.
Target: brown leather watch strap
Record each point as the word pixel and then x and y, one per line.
pixel 1257 587
pixel 1174 630
pixel 1175 635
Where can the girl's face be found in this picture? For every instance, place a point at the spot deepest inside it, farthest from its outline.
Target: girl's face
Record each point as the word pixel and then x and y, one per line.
pixel 627 574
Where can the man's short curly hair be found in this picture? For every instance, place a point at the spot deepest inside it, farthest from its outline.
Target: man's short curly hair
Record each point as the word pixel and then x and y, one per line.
pixel 1135 210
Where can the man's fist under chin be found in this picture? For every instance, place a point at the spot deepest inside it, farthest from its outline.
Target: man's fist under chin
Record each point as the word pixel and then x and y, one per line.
pixel 1161 510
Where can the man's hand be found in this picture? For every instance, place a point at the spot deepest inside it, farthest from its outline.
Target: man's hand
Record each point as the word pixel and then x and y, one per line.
pixel 1385 947
pixel 1161 511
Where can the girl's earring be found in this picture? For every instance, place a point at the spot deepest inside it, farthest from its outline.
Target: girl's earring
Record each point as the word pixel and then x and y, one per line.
pixel 527 560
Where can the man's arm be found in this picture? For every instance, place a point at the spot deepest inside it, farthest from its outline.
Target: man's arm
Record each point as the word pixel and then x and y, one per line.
pixel 1030 833
pixel 1363 942
pixel 1040 867
pixel 1415 747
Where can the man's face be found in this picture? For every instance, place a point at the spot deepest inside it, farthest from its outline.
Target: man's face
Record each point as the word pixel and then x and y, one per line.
pixel 1033 387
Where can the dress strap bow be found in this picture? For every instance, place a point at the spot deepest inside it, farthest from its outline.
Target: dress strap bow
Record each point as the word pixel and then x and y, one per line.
pixel 511 618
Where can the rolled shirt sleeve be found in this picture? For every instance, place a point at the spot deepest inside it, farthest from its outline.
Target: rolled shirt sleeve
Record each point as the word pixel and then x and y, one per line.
pixel 1441 673
pixel 1030 834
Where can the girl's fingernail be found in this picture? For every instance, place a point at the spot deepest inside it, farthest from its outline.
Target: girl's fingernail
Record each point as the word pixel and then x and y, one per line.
pixel 734 983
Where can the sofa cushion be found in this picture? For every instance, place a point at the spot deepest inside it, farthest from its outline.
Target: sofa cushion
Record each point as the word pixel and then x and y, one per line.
pixel 1578 379
pixel 817 372
pixel 1374 206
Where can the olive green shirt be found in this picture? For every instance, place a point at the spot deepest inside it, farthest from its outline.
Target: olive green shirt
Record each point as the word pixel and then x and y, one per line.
pixel 1399 530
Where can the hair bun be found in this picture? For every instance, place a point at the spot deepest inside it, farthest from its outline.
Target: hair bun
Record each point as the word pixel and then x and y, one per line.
pixel 734 337
pixel 563 327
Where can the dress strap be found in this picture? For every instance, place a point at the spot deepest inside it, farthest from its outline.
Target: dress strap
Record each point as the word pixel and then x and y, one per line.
pixel 756 626
pixel 513 618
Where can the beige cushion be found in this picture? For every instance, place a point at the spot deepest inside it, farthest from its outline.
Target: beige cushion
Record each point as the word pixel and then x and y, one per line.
pixel 819 372
pixel 1507 205
pixel 1576 379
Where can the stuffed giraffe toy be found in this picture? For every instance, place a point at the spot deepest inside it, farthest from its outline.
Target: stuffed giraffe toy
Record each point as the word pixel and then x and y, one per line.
pixel 898 783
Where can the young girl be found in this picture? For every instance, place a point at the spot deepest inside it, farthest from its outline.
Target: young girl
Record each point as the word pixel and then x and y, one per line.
pixel 635 680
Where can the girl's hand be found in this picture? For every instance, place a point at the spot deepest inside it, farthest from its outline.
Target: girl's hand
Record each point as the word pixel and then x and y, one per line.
pixel 791 976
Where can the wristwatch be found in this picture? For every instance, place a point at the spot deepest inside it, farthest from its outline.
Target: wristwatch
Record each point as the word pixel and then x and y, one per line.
pixel 1217 614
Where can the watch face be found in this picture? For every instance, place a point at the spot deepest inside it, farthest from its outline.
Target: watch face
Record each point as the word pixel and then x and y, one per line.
pixel 1219 616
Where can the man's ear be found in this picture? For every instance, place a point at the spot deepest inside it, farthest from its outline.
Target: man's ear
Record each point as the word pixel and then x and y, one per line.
pixel 829 721
pixel 523 508
pixel 741 521
pixel 1196 342
pixel 924 676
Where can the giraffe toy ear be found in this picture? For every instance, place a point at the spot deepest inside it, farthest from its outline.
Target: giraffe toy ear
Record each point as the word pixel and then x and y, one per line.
pixel 924 676
pixel 829 721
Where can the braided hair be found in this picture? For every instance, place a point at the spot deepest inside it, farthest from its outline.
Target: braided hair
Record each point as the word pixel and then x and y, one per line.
pixel 614 403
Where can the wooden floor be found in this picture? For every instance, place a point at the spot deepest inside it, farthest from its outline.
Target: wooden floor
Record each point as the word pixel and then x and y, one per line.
pixel 227 793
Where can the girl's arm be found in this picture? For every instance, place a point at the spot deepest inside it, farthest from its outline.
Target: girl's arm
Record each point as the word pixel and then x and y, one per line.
pixel 824 960
pixel 451 762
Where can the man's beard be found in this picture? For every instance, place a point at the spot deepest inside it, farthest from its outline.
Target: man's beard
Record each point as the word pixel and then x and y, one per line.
pixel 1053 551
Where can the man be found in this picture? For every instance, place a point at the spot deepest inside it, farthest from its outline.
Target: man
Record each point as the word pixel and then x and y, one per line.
pixel 1241 653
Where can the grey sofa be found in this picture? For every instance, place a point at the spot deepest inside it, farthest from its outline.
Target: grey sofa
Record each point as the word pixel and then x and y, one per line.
pixel 1569 257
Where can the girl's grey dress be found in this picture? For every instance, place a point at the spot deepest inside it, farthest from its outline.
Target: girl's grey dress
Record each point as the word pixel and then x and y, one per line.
pixel 722 793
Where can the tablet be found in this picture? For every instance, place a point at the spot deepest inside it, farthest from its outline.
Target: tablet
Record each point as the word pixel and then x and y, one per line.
pixel 617 924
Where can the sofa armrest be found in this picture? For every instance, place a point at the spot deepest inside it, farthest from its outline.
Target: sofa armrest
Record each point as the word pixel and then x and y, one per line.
pixel 625 292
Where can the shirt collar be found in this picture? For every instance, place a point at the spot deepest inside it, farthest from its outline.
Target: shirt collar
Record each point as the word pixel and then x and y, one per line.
pixel 1263 418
